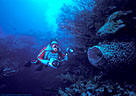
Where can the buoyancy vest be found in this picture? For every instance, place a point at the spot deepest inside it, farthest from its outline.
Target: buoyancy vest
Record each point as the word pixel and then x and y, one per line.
pixel 50 54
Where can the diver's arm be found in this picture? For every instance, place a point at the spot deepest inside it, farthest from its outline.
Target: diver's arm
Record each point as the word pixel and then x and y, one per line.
pixel 41 56
pixel 43 61
pixel 68 51
pixel 64 57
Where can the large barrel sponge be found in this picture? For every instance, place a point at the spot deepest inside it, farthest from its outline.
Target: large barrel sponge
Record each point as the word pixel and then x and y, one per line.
pixel 112 54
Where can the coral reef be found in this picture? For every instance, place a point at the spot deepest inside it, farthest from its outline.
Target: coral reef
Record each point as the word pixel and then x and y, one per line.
pixel 113 24
pixel 76 22
pixel 99 87
pixel 108 32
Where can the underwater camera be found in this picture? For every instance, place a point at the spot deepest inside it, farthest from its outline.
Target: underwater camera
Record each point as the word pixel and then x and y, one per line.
pixel 54 63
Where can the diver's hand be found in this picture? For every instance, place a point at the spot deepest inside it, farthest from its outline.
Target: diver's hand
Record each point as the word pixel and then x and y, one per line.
pixel 66 57
pixel 69 50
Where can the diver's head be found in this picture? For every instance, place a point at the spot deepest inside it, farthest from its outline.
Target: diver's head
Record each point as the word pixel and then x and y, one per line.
pixel 55 46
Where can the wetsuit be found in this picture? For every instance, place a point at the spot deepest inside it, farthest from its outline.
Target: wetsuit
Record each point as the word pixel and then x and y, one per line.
pixel 45 55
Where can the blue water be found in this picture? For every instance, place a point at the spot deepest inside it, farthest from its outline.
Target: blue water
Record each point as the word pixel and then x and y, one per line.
pixel 32 20
pixel 30 17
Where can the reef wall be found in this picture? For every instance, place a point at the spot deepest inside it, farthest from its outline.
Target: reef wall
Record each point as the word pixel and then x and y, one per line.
pixel 117 49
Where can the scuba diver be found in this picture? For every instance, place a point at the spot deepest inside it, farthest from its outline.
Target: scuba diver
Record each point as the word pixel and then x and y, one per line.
pixel 52 55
